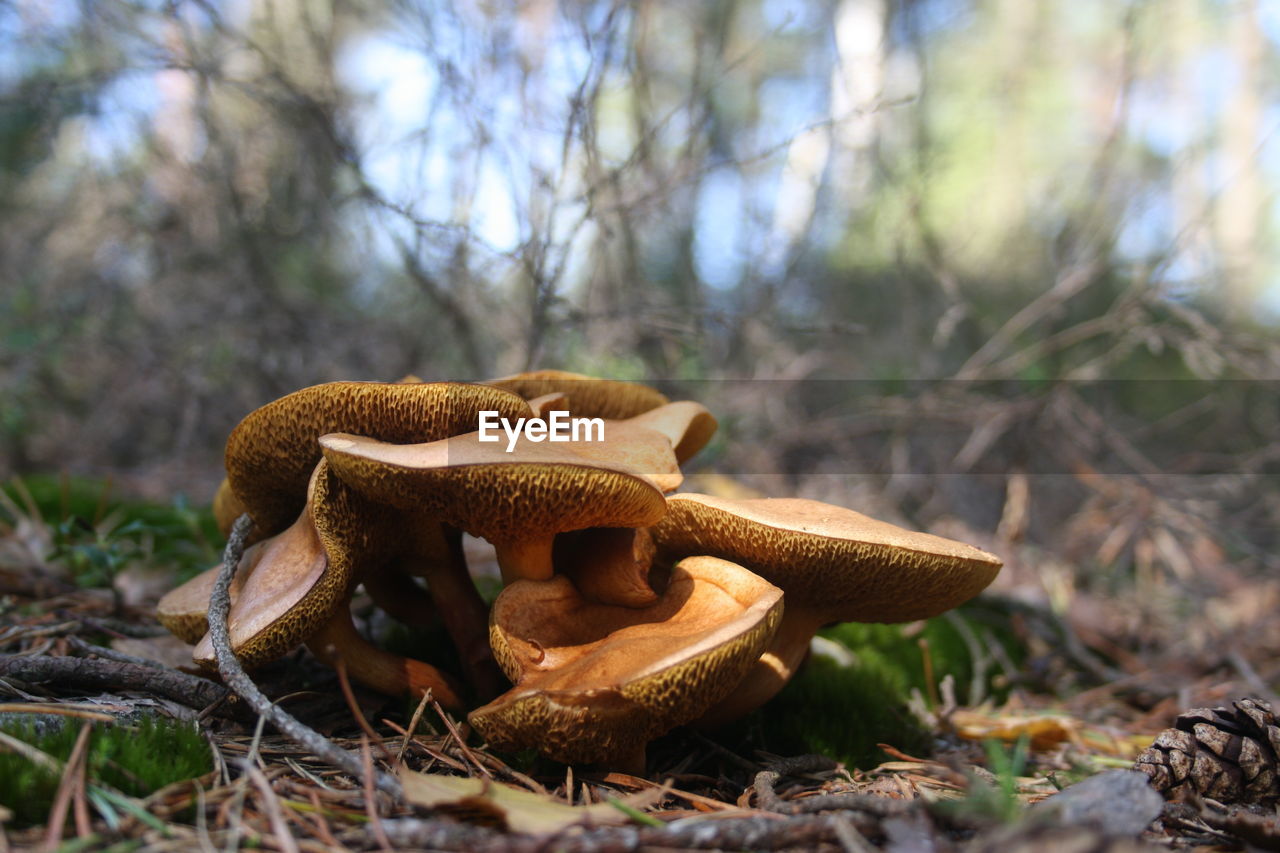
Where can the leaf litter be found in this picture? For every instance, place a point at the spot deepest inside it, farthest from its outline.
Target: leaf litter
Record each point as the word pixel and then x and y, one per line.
pixel 1073 711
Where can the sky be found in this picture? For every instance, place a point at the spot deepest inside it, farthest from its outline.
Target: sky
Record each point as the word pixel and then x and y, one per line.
pixel 394 84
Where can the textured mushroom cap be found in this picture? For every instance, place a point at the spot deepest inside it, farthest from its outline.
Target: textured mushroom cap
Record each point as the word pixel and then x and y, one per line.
pixel 588 397
pixel 688 426
pixel 184 609
pixel 843 565
pixel 638 448
pixel 226 507
pixel 594 682
pixel 271 453
pixel 303 574
pixel 538 489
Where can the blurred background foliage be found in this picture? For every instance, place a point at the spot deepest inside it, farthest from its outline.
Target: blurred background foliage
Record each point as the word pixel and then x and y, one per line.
pixel 1001 269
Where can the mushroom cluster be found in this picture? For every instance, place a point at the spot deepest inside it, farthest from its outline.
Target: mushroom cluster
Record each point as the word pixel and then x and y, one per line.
pixel 627 609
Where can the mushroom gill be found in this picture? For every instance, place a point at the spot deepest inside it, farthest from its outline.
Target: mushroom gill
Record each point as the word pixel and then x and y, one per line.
pixel 595 683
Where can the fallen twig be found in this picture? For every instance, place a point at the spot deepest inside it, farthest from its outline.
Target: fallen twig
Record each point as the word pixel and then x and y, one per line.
pixel 767 799
pixel 234 675
pixel 753 833
pixel 102 674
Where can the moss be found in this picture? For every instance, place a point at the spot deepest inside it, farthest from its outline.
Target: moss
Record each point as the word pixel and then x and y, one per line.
pixel 134 759
pixel 835 710
pixel 898 651
pixel 845 710
pixel 95 533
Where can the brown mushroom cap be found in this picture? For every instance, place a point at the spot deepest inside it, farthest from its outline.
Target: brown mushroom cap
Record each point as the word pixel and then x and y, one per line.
pixel 836 565
pixel 184 609
pixel 847 566
pixel 595 682
pixel 276 609
pixel 226 507
pixel 555 401
pixel 518 501
pixel 300 588
pixel 302 576
pixel 688 425
pixel 638 448
pixel 588 396
pixel 271 453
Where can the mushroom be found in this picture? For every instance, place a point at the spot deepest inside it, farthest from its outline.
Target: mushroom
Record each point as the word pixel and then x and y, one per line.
pixel 556 401
pixel 271 453
pixel 595 683
pixel 226 508
pixel 608 565
pixel 688 425
pixel 588 396
pixel 518 501
pixel 184 609
pixel 835 565
pixel 300 588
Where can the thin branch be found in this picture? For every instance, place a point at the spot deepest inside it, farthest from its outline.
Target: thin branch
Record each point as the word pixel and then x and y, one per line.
pixel 234 675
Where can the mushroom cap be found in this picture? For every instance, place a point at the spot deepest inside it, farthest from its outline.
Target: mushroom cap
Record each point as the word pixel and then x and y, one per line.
pixel 538 489
pixel 588 396
pixel 184 609
pixel 688 426
pixel 226 507
pixel 594 681
pixel 271 453
pixel 840 564
pixel 642 450
pixel 303 574
pixel 555 401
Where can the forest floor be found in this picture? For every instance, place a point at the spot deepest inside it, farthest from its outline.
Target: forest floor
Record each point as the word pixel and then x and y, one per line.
pixel 1009 703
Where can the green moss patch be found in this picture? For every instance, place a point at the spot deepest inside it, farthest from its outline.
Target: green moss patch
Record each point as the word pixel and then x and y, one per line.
pixel 133 759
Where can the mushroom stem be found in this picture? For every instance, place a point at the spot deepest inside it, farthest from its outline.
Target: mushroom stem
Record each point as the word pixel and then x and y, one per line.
pixel 770 673
pixel 609 565
pixel 381 670
pixel 525 559
pixel 402 599
pixel 466 618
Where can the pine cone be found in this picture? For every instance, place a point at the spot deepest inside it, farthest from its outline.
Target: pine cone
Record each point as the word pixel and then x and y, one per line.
pixel 1227 755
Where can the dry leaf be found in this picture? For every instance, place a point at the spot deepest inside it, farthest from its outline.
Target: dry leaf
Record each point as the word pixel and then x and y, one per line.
pixel 504 806
pixel 1042 731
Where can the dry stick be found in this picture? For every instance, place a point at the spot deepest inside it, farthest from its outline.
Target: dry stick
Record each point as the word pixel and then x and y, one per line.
pixel 768 800
pixel 319 822
pixel 283 836
pixel 66 785
pixel 460 740
pixel 753 833
pixel 352 705
pixel 234 676
pixel 413 727
pixel 232 808
pixel 797 765
pixel 79 803
pixel 100 674
pixel 370 796
pixel 850 839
